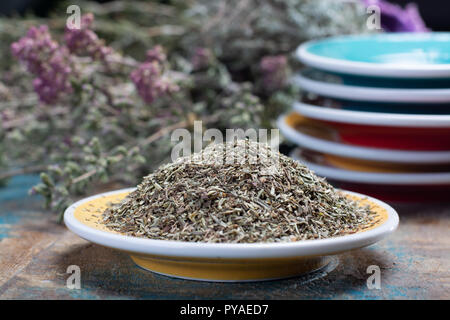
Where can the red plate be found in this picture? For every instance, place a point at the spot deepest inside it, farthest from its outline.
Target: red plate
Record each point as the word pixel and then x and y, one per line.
pixel 400 138
pixel 382 130
pixel 400 193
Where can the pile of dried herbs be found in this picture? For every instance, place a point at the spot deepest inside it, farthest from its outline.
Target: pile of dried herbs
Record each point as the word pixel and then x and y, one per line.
pixel 209 198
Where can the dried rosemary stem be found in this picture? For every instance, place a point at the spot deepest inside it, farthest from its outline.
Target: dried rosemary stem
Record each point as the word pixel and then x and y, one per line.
pixel 208 198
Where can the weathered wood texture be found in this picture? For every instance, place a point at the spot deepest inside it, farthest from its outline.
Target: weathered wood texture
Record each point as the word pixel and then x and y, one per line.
pixel 35 253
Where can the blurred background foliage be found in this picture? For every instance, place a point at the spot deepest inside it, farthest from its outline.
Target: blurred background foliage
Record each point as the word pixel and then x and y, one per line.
pixel 229 60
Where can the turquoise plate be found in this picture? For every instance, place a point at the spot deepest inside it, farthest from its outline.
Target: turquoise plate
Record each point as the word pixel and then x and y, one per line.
pixel 395 55
pixel 386 82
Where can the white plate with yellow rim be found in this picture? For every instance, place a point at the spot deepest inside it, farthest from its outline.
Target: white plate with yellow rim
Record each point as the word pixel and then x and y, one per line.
pixel 382 178
pixel 223 261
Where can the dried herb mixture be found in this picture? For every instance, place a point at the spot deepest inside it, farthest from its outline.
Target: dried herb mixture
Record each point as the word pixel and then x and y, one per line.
pixel 204 198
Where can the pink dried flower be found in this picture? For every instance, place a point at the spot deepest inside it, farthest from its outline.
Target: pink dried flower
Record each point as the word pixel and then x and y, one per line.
pixel 54 80
pixel 6 115
pixel 150 82
pixel 34 48
pixel 274 71
pixel 156 54
pixel 84 41
pixel 201 58
pixel 47 60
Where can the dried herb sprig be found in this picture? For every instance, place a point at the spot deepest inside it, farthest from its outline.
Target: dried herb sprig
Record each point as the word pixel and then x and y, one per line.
pixel 205 198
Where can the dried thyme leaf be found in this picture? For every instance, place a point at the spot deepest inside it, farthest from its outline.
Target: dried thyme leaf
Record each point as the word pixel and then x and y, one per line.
pixel 205 198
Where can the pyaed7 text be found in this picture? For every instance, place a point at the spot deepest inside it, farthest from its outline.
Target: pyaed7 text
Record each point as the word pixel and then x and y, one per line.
pixel 248 309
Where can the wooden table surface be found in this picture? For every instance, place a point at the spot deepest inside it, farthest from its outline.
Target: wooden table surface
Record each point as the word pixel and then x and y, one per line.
pixel 35 253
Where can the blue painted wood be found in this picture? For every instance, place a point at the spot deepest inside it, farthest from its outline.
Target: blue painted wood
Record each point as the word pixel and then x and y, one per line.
pixel 35 253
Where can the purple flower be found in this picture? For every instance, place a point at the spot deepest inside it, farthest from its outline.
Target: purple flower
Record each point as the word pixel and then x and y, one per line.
pixel 150 82
pixel 396 19
pixel 50 63
pixel 156 54
pixel 34 48
pixel 202 58
pixel 84 41
pixel 6 115
pixel 54 80
pixel 274 71
pixel 149 77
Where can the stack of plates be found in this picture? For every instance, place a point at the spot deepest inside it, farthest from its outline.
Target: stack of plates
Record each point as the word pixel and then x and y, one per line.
pixel 375 116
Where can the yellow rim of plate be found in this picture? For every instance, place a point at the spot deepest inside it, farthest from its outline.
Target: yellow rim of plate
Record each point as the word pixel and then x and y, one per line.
pixel 380 167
